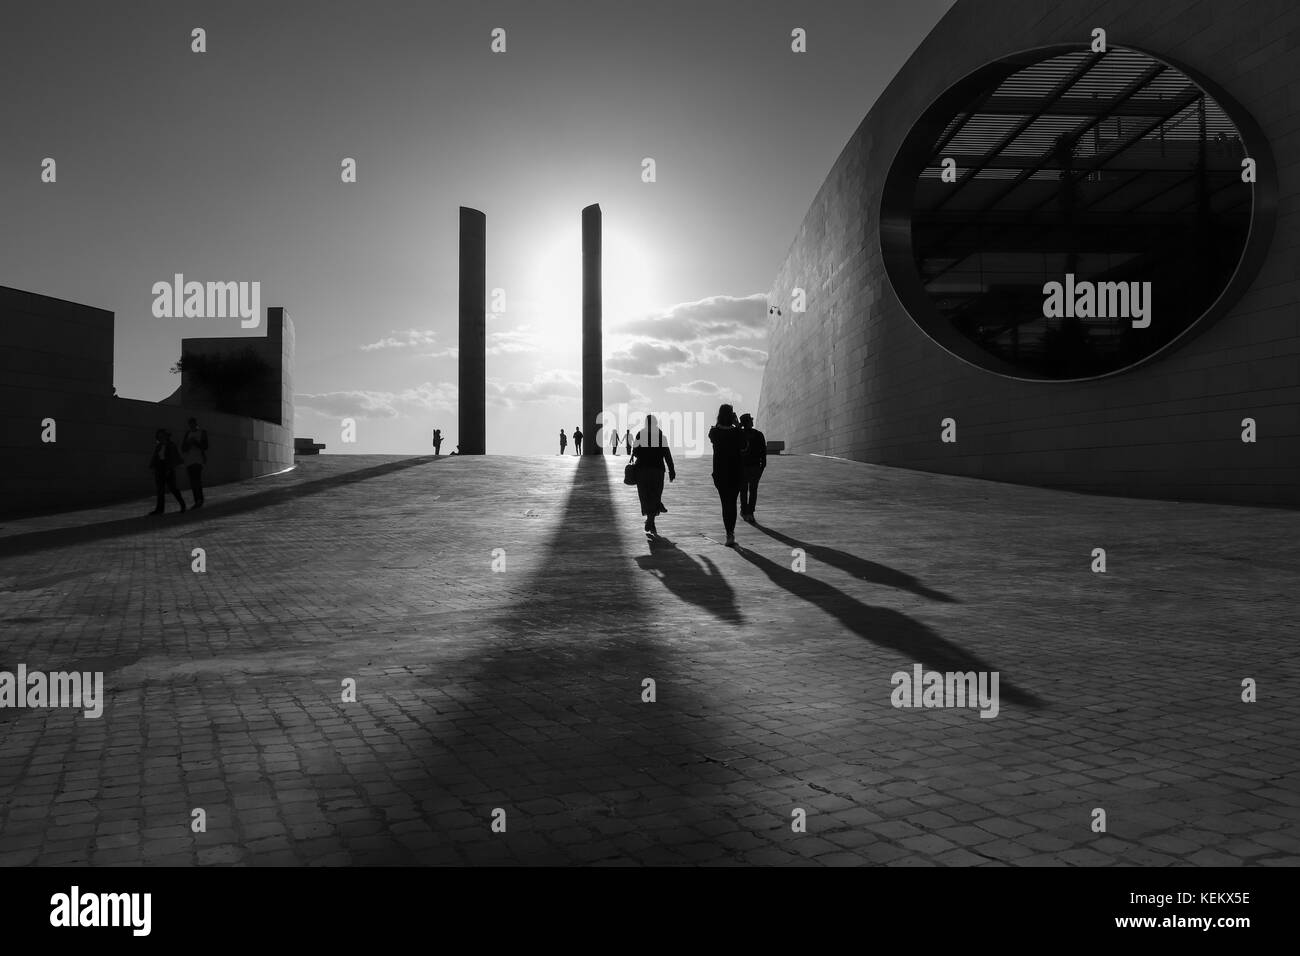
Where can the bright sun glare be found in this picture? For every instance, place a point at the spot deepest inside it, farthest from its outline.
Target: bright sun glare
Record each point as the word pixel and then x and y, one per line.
pixel 626 276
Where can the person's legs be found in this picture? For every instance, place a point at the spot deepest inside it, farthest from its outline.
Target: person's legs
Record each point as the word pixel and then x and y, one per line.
pixel 727 493
pixel 644 493
pixel 196 483
pixel 650 488
pixel 171 486
pixel 657 496
pixel 749 491
pixel 160 486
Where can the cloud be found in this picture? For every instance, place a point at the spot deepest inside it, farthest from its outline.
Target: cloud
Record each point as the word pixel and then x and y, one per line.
pixel 546 387
pixel 618 392
pixel 355 404
pixel 647 358
pixel 706 388
pixel 401 340
pixel 361 403
pixel 515 340
pixel 498 343
pixel 736 354
pixel 717 317
pixel 559 386
pixel 449 352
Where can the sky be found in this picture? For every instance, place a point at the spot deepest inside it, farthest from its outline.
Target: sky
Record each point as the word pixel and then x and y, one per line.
pixel 225 166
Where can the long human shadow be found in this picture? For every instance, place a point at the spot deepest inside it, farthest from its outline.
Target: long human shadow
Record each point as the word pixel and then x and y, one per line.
pixel 858 567
pixel 885 627
pixel 34 541
pixel 549 721
pixel 702 585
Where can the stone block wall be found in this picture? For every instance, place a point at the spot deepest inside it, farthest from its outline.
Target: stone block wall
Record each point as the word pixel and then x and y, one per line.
pixel 854 376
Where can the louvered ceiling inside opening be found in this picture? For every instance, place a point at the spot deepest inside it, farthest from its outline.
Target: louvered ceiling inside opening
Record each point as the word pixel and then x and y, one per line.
pixel 1113 167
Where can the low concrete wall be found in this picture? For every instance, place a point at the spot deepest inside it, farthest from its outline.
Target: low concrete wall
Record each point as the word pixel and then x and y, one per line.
pixel 57 364
pixel 103 447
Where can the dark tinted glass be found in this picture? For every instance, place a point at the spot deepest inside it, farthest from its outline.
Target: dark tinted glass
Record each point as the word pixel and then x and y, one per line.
pixel 1111 168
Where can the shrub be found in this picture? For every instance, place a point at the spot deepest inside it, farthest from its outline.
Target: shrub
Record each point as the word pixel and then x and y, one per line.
pixel 223 373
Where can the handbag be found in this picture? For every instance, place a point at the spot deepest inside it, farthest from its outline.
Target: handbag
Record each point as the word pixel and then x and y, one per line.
pixel 629 473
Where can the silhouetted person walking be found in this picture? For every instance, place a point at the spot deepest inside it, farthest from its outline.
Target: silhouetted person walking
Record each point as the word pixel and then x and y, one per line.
pixel 163 461
pixel 627 440
pixel 564 441
pixel 753 458
pixel 616 444
pixel 728 471
pixel 437 441
pixel 577 440
pixel 650 456
pixel 194 452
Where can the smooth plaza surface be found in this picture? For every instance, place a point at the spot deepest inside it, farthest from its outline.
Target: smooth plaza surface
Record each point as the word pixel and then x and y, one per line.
pixel 521 689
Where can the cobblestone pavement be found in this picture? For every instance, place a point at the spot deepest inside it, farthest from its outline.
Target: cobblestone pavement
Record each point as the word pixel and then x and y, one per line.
pixel 521 690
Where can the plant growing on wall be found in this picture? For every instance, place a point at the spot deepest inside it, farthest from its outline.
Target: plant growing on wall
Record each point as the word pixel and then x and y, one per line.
pixel 223 374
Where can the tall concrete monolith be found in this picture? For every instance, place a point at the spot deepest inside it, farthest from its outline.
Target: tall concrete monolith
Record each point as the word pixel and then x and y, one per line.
pixel 592 314
pixel 472 389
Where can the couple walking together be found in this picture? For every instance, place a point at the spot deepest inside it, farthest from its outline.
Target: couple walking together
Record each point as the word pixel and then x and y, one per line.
pixel 165 459
pixel 739 457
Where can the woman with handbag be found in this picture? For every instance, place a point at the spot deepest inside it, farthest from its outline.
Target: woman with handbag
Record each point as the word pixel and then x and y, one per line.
pixel 651 455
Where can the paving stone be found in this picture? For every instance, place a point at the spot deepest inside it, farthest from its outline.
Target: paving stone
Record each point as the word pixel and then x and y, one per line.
pixel 521 689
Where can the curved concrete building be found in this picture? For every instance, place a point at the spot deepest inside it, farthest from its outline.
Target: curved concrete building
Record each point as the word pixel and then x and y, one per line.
pixel 1059 257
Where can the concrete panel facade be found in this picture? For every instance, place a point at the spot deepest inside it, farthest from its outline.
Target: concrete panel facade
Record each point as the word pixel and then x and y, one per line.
pixel 103 443
pixel 269 400
pixel 854 376
pixel 50 342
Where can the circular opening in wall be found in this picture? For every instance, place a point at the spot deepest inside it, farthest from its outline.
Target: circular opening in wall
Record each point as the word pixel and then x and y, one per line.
pixel 1063 214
